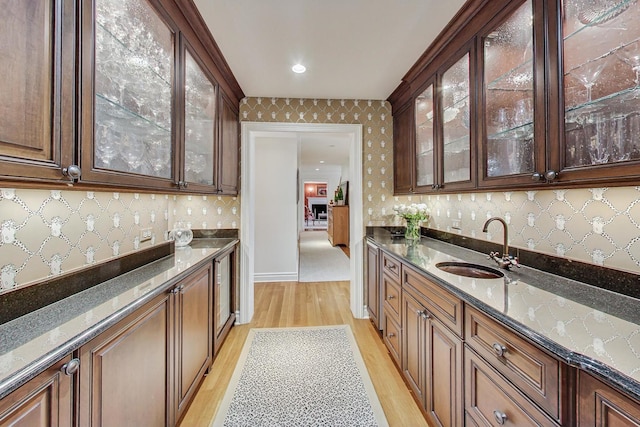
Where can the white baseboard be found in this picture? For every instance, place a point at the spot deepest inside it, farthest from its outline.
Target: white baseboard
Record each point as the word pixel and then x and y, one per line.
pixel 275 277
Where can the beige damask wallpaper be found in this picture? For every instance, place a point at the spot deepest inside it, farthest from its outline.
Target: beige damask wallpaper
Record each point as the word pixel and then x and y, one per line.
pixel 377 130
pixel 50 232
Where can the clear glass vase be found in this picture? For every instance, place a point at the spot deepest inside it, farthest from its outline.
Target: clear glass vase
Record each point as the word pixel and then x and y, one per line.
pixel 412 232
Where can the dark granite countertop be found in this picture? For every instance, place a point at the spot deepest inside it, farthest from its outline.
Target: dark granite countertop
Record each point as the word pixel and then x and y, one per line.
pixel 31 343
pixel 586 326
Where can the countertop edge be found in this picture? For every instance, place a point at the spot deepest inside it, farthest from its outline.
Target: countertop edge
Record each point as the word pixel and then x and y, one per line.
pixel 20 377
pixel 599 369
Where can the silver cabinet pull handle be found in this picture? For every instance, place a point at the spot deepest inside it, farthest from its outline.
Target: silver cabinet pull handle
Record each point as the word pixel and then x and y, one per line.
pixel 500 416
pixel 71 367
pixel 499 349
pixel 390 297
pixel 391 335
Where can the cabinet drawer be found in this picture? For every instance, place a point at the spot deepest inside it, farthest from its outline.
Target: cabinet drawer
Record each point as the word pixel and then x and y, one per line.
pixel 391 336
pixel 392 295
pixel 439 302
pixel 491 401
pixel 391 266
pixel 533 371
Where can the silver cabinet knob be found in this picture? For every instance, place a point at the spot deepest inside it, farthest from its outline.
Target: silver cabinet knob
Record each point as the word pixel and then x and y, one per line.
pixel 71 367
pixel 391 335
pixel 499 349
pixel 390 297
pixel 550 175
pixel 425 315
pixel 500 416
pixel 537 177
pixel 73 172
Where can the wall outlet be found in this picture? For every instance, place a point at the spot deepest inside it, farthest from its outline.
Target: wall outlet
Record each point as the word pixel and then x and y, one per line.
pixel 145 234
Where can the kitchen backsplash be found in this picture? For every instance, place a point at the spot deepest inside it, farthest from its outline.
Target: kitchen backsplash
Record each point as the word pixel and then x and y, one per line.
pixel 49 232
pixel 598 225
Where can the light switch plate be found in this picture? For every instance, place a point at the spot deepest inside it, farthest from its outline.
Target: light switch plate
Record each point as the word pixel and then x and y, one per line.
pixel 145 234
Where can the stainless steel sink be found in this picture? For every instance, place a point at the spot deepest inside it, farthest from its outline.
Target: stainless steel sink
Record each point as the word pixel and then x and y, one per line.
pixel 470 270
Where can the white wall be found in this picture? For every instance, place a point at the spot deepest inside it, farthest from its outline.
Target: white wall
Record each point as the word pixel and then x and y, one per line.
pixel 276 234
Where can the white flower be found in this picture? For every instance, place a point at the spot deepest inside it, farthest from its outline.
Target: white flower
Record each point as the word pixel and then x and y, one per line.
pixel 414 212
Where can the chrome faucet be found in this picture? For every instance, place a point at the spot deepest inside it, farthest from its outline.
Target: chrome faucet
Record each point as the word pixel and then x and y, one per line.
pixel 505 261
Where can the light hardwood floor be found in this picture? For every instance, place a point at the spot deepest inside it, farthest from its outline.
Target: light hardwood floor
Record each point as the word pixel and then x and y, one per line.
pixel 307 304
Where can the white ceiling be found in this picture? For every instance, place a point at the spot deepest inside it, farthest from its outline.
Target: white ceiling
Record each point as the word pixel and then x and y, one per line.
pixel 353 49
pixel 332 149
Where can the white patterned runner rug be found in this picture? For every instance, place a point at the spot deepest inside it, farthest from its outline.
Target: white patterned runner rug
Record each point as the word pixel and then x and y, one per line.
pixel 312 376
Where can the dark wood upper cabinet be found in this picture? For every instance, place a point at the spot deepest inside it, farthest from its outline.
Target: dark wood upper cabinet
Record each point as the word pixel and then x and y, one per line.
pixel 116 93
pixel 554 89
pixel 403 158
pixel 228 148
pixel 37 109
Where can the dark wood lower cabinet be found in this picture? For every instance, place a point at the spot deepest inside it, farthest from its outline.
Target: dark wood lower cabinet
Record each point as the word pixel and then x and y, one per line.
pixel 414 345
pixel 194 331
pixel 372 281
pixel 126 374
pixel 601 406
pixel 144 370
pixel 443 384
pixel 431 363
pixel 46 400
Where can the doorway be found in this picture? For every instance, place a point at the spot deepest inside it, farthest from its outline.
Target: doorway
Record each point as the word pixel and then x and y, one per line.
pixel 251 131
pixel 315 205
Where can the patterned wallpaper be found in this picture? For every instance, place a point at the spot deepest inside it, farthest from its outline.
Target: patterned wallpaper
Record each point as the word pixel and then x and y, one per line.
pixel 49 232
pixel 598 225
pixel 377 131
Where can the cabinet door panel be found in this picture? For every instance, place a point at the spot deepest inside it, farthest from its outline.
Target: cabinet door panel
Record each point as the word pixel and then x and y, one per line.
pixel 456 122
pixel 194 333
pixel 125 372
pixel 600 405
pixel 373 284
pixel 127 117
pixel 229 146
pixel 37 68
pixel 414 345
pixel 46 400
pixel 425 138
pixel 200 105
pixel 509 95
pixel 443 385
pixel 403 152
pixel 601 87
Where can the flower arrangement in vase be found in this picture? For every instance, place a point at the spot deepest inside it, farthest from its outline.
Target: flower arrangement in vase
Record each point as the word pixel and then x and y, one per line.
pixel 413 214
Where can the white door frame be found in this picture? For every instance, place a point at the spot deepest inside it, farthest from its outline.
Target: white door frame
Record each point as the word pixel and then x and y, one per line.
pixel 251 130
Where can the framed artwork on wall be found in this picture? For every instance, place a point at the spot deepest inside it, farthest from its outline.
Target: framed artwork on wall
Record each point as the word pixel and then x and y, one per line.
pixel 321 191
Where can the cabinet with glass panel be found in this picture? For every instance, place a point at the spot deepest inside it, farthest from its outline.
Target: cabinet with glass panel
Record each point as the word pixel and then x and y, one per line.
pixel 598 73
pixel 149 99
pixel 443 149
pixel 558 96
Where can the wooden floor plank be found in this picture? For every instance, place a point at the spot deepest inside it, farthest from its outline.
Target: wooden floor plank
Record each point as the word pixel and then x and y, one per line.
pixel 286 304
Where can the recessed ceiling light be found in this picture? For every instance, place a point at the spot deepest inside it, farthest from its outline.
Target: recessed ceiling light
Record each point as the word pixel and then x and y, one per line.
pixel 317 169
pixel 299 68
pixel 321 161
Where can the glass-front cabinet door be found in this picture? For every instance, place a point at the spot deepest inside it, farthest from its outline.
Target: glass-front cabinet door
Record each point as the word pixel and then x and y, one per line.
pixel 132 97
pixel 425 139
pixel 200 104
pixel 510 144
pixel 600 83
pixel 456 124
